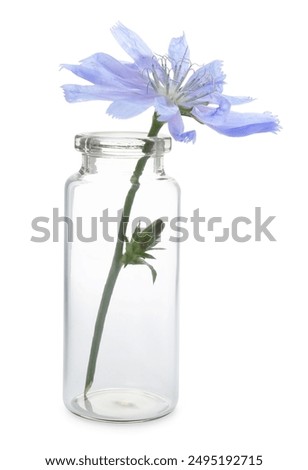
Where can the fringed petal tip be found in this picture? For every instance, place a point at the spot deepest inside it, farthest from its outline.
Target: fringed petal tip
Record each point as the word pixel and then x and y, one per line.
pixel 72 94
pixel 276 127
pixel 70 67
pixel 236 100
pixel 271 122
pixel 67 93
pixel 78 93
pixel 217 68
pixel 116 27
pixel 130 42
pixel 189 136
pixel 186 137
pixel 65 66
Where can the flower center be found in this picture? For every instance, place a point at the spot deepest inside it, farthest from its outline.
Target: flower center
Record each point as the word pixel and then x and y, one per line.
pixel 179 82
pixel 167 78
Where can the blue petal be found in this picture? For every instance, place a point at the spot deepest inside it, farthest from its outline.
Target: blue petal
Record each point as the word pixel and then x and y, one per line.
pixel 131 43
pixel 206 81
pixel 108 63
pixel 165 108
pixel 209 75
pixel 76 93
pixel 220 102
pixel 238 124
pixel 176 128
pixel 93 75
pixel 103 70
pixel 235 100
pixel 178 53
pixel 113 69
pixel 127 108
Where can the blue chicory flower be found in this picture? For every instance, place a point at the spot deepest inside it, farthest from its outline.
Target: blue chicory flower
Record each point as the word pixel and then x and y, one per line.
pixel 169 84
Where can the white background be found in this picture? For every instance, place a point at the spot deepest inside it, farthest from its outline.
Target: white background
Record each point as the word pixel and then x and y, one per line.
pixel 243 383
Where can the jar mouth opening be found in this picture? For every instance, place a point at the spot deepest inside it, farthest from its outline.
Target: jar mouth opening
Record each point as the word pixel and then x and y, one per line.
pixel 122 144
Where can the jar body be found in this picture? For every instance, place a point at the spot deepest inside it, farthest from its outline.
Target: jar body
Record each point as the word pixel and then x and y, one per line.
pixel 136 373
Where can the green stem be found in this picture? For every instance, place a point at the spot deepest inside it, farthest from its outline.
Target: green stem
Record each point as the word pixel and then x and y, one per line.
pixel 117 264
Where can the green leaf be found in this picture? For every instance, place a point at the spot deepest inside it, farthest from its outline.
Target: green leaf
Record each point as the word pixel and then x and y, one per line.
pixel 146 255
pixel 153 271
pixel 141 242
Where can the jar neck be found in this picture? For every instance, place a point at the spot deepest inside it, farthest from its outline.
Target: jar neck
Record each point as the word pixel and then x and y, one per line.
pixel 98 165
pixel 120 152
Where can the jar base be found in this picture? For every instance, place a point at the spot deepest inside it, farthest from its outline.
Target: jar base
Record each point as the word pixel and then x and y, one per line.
pixel 120 405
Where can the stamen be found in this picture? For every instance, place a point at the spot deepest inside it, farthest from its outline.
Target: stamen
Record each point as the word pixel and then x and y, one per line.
pixel 184 78
pixel 177 69
pixel 156 78
pixel 165 78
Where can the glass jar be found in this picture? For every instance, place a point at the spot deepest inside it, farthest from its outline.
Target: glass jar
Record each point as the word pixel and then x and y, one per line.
pixel 121 328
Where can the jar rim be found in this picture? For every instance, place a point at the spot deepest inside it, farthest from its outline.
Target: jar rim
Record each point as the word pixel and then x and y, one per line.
pixel 121 144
